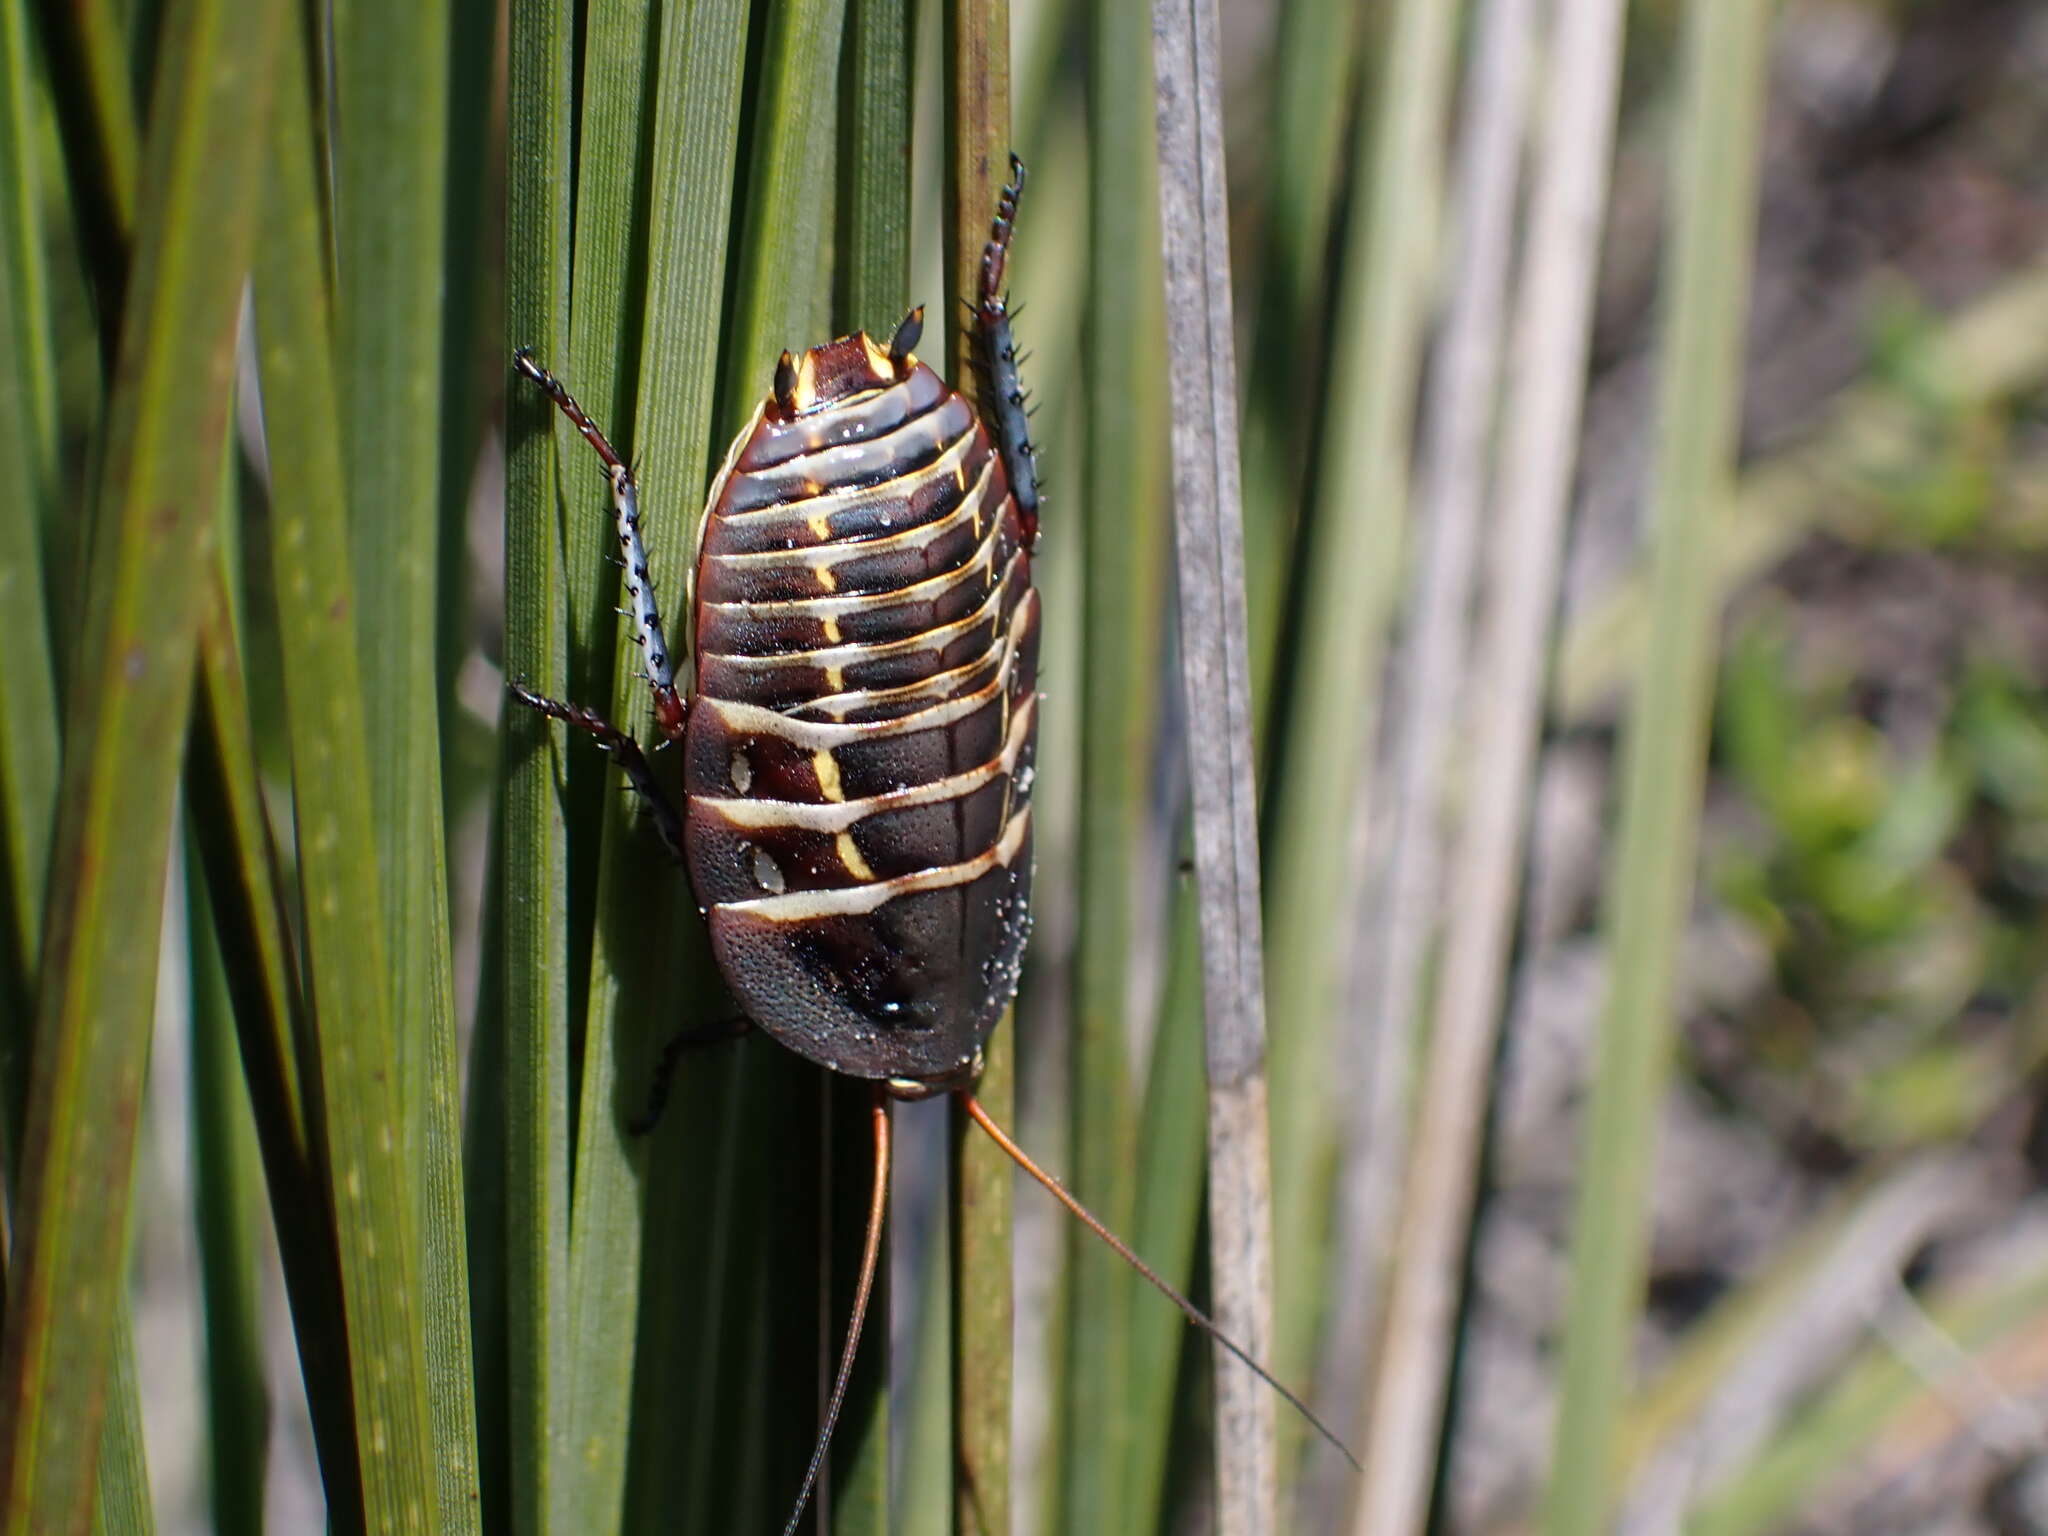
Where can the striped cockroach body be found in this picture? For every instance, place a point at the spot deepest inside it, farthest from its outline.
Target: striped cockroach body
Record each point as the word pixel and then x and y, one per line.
pixel 857 761
pixel 861 718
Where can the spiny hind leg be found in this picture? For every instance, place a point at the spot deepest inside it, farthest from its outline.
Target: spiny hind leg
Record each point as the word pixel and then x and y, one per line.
pixel 685 1041
pixel 623 750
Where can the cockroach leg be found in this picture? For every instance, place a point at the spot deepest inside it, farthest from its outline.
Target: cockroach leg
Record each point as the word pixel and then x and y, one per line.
pixel 995 361
pixel 623 750
pixel 684 1042
pixel 639 583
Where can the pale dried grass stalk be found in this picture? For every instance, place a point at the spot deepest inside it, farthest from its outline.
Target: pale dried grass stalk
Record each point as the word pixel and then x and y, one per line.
pixel 1405 890
pixel 1539 441
pixel 1215 669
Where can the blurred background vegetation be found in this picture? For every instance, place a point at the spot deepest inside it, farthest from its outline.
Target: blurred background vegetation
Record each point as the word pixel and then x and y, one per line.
pixel 1645 453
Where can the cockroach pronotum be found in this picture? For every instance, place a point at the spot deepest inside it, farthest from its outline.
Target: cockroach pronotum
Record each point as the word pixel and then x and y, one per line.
pixel 859 727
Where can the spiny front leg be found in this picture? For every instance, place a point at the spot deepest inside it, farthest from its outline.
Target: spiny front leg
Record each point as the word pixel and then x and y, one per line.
pixel 646 616
pixel 623 750
pixel 1004 405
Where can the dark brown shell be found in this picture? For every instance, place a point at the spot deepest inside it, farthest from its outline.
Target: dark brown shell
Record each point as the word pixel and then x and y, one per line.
pixel 858 757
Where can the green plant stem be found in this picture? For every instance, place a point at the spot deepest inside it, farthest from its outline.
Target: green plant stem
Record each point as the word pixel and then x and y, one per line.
pixel 472 350
pixel 1664 747
pixel 982 1304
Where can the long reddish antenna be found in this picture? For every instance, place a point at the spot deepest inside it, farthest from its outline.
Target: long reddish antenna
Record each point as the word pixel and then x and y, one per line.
pixel 1093 1223
pixel 870 1256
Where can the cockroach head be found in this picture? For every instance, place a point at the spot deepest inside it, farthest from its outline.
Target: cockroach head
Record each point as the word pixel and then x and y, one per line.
pixel 824 376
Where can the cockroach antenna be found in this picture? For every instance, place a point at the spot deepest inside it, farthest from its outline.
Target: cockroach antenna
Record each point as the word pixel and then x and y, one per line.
pixel 870 1257
pixel 1158 1282
pixel 871 1252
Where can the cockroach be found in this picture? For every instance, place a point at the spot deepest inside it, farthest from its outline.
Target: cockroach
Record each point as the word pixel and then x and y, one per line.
pixel 858 732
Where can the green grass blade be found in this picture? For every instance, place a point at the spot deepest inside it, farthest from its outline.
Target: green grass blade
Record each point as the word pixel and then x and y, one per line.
pixel 982 1304
pixel 534 866
pixel 391 111
pixel 368 1156
pixel 232 838
pixel 1664 748
pixel 977 137
pixel 1317 54
pixel 631 995
pixel 226 1174
pixel 484 1167
pixel 121 1504
pixel 1172 1177
pixel 1318 51
pixel 1349 563
pixel 614 151
pixel 1123 576
pixel 1047 275
pixel 677 1397
pixel 696 148
pixel 925 1507
pixel 472 361
pixel 126 730
pixel 95 99
pixel 28 483
pixel 696 151
pixel 874 175
pixel 785 226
